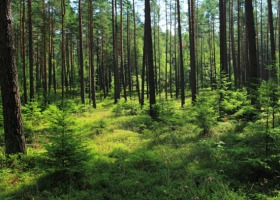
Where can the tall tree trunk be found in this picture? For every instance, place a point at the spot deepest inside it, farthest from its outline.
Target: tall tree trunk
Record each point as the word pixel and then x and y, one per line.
pixel 182 80
pixel 149 58
pixel 223 40
pixel 23 53
pixel 128 54
pixel 91 54
pixel 192 49
pixel 31 58
pixel 273 74
pixel 13 128
pixel 135 54
pixel 233 45
pixel 122 53
pixel 44 61
pixel 170 52
pixel 51 51
pixel 166 52
pixel 238 76
pixel 175 53
pixel 82 81
pixel 251 34
pixel 63 47
pixel 115 56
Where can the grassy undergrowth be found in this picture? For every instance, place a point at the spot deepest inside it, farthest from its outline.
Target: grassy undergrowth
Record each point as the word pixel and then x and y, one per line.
pixel 184 155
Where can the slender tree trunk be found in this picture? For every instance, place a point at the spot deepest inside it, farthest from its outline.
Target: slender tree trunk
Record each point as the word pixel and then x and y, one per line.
pixel 192 50
pixel 31 59
pixel 159 55
pixel 54 74
pixel 170 52
pixel 115 56
pixel 233 45
pixel 63 47
pixel 273 73
pixel 223 40
pixel 251 34
pixel 135 54
pixel 182 80
pixel 51 52
pixel 238 76
pixel 91 54
pixel 23 54
pixel 128 54
pixel 149 58
pixel 122 53
pixel 166 52
pixel 82 81
pixel 175 53
pixel 13 127
pixel 44 61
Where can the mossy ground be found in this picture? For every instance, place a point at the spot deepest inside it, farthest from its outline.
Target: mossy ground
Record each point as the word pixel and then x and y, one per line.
pixel 133 157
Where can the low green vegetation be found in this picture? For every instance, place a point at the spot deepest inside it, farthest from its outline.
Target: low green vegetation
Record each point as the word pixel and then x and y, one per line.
pixel 209 150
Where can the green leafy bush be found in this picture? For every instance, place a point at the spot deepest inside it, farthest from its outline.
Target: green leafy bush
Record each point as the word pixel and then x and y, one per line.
pixel 66 154
pixel 205 113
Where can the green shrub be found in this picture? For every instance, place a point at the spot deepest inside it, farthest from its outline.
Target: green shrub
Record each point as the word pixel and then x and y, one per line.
pixel 32 117
pixel 66 154
pixel 205 113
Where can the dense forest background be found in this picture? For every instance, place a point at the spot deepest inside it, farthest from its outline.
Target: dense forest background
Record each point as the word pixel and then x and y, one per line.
pixel 124 99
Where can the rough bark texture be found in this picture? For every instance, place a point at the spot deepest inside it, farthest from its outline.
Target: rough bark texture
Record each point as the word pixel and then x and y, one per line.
pixel 253 64
pixel 182 81
pixel 14 135
pixel 149 58
pixel 81 54
pixel 92 56
pixel 223 40
pixel 273 73
pixel 192 51
pixel 31 59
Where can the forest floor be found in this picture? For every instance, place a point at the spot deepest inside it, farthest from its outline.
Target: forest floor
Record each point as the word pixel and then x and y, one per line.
pixel 134 157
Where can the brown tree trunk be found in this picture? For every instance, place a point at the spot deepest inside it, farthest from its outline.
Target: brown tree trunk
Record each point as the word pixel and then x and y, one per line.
pixel 91 55
pixel 115 56
pixel 273 73
pixel 135 54
pixel 149 58
pixel 223 40
pixel 13 128
pixel 122 53
pixel 253 65
pixel 31 59
pixel 63 46
pixel 44 64
pixel 182 81
pixel 192 50
pixel 23 53
pixel 82 84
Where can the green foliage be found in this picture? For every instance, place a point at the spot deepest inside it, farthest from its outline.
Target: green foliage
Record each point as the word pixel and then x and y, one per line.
pixel 32 117
pixel 66 153
pixel 168 160
pixel 125 108
pixel 205 113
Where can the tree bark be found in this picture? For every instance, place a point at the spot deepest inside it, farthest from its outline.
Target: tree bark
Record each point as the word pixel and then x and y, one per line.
pixel 223 40
pixel 91 56
pixel 13 127
pixel 192 50
pixel 23 54
pixel 149 58
pixel 31 58
pixel 182 80
pixel 82 84
pixel 253 65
